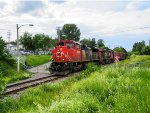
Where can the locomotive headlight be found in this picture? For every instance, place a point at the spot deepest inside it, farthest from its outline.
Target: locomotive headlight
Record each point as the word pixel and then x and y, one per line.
pixel 60 49
pixel 63 59
pixel 52 59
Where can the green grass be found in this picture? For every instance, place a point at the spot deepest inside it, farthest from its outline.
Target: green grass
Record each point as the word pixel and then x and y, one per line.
pixel 97 89
pixel 9 73
pixel 35 60
pixel 136 59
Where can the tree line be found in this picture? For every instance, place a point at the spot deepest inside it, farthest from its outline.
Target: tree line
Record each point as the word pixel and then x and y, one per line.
pixel 68 31
pixel 72 32
pixel 140 48
pixel 36 42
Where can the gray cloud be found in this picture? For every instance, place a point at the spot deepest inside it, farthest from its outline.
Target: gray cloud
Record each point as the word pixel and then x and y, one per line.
pixel 2 5
pixel 57 1
pixel 28 6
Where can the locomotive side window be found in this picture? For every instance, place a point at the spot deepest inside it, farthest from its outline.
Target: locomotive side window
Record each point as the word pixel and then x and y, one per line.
pixel 60 44
pixel 78 46
pixel 70 45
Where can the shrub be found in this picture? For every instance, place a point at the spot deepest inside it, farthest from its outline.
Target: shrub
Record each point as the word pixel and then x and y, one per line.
pixel 4 53
pixel 2 84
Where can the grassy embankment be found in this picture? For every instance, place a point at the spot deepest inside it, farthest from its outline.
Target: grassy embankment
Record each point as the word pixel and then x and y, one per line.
pixel 97 89
pixel 144 60
pixel 35 60
pixel 8 73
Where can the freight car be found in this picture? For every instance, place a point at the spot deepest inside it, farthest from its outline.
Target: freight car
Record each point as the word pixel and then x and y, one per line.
pixel 69 56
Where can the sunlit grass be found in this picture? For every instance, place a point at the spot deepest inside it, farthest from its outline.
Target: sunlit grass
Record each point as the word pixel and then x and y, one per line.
pixel 10 74
pixel 136 59
pixel 35 60
pixel 97 89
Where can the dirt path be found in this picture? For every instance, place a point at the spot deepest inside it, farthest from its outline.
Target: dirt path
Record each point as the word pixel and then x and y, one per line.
pixel 40 69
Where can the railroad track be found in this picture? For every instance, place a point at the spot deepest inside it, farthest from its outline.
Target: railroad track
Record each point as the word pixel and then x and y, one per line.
pixel 22 85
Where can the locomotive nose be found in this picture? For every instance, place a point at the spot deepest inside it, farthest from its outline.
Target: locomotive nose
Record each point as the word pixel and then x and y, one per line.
pixel 59 54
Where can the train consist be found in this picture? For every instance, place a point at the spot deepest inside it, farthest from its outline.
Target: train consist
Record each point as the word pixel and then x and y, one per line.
pixel 70 56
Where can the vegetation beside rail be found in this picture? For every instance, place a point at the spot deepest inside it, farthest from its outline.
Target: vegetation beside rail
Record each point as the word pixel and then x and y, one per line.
pixel 97 89
pixel 9 74
pixel 136 59
pixel 35 60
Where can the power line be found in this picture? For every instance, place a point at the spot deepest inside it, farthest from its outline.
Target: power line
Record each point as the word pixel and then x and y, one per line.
pixel 88 35
pixel 126 30
pixel 9 34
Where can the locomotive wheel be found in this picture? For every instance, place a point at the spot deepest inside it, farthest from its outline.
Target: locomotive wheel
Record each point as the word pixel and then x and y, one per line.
pixel 70 67
pixel 84 66
pixel 51 67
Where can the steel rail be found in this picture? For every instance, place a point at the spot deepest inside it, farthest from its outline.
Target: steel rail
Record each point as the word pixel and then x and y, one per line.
pixel 20 86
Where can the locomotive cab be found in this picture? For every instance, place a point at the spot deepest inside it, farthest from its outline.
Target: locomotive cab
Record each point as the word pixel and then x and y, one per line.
pixel 67 50
pixel 65 54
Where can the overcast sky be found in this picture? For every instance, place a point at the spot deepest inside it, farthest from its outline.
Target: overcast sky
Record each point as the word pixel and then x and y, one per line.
pixel 118 23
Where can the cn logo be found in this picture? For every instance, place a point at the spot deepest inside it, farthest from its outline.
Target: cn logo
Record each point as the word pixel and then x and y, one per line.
pixel 58 54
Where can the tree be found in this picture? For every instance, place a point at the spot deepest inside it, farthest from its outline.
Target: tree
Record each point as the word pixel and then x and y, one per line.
pixel 146 50
pixel 26 41
pixel 2 84
pixel 36 42
pixel 2 48
pixel 4 53
pixel 86 41
pixel 120 49
pixel 137 47
pixel 100 43
pixel 43 42
pixel 93 42
pixel 70 32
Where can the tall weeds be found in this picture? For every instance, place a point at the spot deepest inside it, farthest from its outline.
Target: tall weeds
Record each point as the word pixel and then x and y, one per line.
pixel 101 90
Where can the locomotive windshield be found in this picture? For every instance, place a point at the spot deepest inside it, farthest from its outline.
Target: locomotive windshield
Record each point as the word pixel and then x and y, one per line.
pixel 60 44
pixel 69 45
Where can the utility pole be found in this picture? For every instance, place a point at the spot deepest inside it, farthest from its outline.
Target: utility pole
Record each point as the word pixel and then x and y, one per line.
pixel 18 56
pixel 58 32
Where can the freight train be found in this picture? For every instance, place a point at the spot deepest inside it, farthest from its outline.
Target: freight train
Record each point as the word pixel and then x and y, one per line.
pixel 70 56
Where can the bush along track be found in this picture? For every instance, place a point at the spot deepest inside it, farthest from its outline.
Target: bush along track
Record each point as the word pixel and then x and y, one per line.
pixel 95 90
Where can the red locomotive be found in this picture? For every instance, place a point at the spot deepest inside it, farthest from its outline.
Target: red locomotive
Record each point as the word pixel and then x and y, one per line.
pixel 69 56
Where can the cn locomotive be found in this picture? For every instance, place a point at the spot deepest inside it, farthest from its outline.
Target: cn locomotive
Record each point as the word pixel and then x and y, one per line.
pixel 70 56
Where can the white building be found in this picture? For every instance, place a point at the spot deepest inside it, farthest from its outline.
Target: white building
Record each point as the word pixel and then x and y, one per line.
pixel 12 47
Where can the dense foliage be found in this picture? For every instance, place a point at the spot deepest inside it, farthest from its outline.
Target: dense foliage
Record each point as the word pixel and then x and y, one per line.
pixel 93 42
pixel 86 41
pixel 70 32
pixel 140 48
pixel 100 43
pixel 2 84
pixel 120 49
pixel 36 42
pixel 4 53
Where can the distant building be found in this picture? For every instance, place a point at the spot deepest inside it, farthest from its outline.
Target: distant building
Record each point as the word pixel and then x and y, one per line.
pixel 12 47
